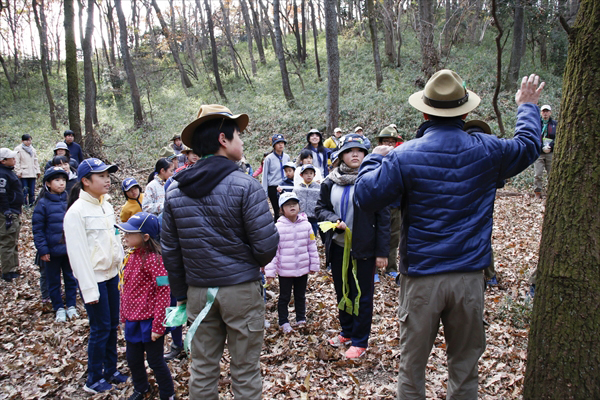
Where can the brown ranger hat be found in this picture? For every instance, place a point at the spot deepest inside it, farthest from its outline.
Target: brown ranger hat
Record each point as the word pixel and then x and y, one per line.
pixel 389 132
pixel 445 95
pixel 208 112
pixel 477 125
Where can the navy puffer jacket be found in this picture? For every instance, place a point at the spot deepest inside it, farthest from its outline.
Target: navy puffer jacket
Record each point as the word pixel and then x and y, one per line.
pixel 447 183
pixel 217 229
pixel 47 224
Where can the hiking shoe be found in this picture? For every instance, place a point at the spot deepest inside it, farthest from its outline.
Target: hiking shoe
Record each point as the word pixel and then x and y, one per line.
pixel 137 396
pixel 287 328
pixel 117 378
pixel 72 312
pixel 392 274
pixel 493 281
pixel 376 278
pixel 98 387
pixel 301 322
pixel 7 277
pixel 355 352
pixel 14 275
pixel 339 340
pixel 61 315
pixel 174 353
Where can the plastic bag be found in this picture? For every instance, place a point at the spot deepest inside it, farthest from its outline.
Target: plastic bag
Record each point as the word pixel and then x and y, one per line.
pixel 175 316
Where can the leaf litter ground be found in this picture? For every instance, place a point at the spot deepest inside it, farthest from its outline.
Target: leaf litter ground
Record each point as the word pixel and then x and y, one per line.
pixel 40 358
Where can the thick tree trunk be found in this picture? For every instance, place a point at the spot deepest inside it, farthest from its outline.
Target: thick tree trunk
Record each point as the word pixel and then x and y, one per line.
pixel 374 43
pixel 213 50
pixel 44 61
pixel 429 55
pixel 564 346
pixel 518 48
pixel 285 80
pixel 185 80
pixel 248 25
pixel 387 11
pixel 315 36
pixel 71 67
pixel 138 113
pixel 333 66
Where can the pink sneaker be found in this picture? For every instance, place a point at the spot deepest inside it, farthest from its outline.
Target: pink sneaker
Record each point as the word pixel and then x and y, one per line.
pixel 355 352
pixel 339 340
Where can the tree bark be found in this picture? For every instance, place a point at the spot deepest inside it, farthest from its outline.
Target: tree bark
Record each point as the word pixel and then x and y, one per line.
pixel 304 21
pixel 257 33
pixel 44 66
pixel 8 78
pixel 71 68
pixel 374 43
pixel 248 25
pixel 297 32
pixel 315 37
pixel 185 80
pixel 333 66
pixel 498 67
pixel 92 142
pixel 285 80
pixel 518 47
pixel 429 55
pixel 564 346
pixel 138 112
pixel 387 12
pixel 213 50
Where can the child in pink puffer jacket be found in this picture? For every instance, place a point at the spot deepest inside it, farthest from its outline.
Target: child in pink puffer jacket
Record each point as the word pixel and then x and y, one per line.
pixel 296 257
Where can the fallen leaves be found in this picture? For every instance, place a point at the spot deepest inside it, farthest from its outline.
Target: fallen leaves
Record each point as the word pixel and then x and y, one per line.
pixel 43 359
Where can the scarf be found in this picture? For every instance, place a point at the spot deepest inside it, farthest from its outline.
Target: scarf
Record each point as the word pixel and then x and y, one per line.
pixel 344 175
pixel 545 128
pixel 28 149
pixel 177 149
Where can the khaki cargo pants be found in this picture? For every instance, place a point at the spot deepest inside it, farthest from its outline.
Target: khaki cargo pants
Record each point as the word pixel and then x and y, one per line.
pixel 237 316
pixel 456 299
pixel 9 239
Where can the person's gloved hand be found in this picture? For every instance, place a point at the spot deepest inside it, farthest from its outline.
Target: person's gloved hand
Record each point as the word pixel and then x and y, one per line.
pixel 546 149
pixel 9 220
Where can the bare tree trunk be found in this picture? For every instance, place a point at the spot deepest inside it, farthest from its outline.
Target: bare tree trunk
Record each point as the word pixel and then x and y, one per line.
pixel 187 35
pixel 285 80
pixel 268 22
pixel 315 36
pixel 135 19
pixel 213 47
pixel 518 47
pixel 71 67
pixel 248 25
pixel 374 43
pixel 43 25
pixel 111 32
pixel 227 29
pixel 8 78
pixel 398 34
pixel 387 11
pixel 185 80
pixel 498 67
pixel 44 61
pixel 257 33
pixel 564 346
pixel 93 142
pixel 333 66
pixel 304 20
pixel 429 55
pixel 297 32
pixel 138 113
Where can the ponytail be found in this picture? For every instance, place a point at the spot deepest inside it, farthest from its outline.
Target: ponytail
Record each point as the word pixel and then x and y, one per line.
pixel 76 189
pixel 162 163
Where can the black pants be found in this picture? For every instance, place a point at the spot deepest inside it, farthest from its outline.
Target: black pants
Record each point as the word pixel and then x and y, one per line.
pixel 154 354
pixel 285 293
pixel 356 327
pixel 274 199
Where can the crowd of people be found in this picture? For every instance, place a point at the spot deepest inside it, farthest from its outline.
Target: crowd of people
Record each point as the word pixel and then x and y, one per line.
pixel 201 235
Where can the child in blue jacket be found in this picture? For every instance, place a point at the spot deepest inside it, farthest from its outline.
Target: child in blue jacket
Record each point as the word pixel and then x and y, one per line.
pixel 48 236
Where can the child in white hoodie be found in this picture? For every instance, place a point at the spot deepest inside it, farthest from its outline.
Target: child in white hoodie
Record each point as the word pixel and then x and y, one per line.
pixel 296 257
pixel 95 252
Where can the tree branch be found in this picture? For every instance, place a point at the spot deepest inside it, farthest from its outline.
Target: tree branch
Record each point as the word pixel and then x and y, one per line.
pixel 565 24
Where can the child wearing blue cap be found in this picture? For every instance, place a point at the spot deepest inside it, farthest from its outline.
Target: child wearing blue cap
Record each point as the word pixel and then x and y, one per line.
pixel 145 294
pixel 134 196
pixel 95 252
pixel 273 173
pixel 47 226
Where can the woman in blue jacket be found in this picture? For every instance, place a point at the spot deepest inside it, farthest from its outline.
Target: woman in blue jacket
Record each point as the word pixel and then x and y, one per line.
pixel 48 236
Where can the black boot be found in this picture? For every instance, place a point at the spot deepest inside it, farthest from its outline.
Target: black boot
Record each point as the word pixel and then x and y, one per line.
pixel 174 353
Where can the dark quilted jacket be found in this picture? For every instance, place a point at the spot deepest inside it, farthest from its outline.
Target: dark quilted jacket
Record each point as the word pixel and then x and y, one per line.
pixel 447 183
pixel 216 237
pixel 47 224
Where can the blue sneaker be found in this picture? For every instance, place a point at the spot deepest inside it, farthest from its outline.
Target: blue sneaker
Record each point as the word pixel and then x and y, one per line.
pixel 98 387
pixel 117 378
pixel 376 278
pixel 393 274
pixel 493 281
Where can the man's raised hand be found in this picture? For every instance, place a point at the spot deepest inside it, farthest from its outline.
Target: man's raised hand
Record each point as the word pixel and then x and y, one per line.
pixel 530 90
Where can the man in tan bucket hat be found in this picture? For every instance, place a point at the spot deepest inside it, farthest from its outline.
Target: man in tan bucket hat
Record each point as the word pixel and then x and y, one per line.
pixel 217 232
pixel 446 182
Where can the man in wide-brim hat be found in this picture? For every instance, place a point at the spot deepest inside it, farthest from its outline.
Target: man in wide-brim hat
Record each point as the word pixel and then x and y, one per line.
pixel 217 233
pixel 446 181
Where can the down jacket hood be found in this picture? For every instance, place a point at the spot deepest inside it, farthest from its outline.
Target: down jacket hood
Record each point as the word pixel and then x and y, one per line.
pixel 199 180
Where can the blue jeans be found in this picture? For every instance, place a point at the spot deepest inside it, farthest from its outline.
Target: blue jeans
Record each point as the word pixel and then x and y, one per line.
pixel 28 189
pixel 53 270
pixel 104 320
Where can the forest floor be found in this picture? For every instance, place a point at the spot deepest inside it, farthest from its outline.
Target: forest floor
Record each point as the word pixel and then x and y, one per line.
pixel 40 358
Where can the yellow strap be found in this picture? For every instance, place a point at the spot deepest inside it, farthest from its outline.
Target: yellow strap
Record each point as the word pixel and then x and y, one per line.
pixel 122 269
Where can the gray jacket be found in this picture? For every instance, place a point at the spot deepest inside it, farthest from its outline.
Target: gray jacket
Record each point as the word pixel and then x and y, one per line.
pixel 217 229
pixel 308 195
